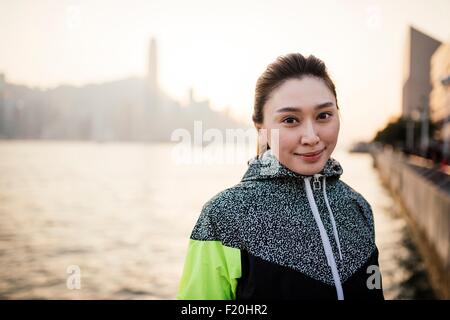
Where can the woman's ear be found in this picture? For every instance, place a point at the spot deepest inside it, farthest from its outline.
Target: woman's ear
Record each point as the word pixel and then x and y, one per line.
pixel 262 138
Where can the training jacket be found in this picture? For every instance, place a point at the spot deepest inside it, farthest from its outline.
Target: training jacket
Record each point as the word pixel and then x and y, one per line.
pixel 281 235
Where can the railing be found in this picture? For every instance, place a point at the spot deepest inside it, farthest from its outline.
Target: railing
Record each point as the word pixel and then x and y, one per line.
pixel 427 206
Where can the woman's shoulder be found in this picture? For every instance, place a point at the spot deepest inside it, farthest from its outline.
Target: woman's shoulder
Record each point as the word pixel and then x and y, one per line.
pixel 359 201
pixel 352 194
pixel 219 218
pixel 229 201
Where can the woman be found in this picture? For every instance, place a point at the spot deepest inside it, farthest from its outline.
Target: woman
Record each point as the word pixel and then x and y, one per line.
pixel 291 229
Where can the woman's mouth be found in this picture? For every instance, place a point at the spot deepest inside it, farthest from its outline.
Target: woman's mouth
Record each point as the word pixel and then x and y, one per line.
pixel 311 157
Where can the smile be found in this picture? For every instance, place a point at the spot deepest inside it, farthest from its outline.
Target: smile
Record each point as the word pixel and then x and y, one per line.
pixel 311 157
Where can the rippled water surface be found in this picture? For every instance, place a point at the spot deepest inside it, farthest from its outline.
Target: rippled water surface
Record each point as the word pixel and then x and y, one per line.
pixel 122 214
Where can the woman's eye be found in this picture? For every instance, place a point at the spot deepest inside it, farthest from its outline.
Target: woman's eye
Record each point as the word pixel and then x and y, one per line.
pixel 290 120
pixel 323 115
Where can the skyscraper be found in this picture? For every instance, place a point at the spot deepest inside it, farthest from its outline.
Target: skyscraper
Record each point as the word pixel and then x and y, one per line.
pixel 153 67
pixel 416 73
pixel 2 106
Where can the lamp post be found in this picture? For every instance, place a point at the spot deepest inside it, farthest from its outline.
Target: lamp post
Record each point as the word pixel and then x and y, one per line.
pixel 409 134
pixel 446 126
pixel 424 128
pixel 410 125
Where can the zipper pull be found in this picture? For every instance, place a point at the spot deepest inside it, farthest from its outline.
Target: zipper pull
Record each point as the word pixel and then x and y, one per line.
pixel 316 182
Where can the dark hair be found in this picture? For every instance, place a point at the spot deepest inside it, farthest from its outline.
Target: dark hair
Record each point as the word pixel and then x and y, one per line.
pixel 286 67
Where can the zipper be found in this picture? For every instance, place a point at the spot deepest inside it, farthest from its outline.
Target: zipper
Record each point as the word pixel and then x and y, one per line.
pixel 316 182
pixel 324 236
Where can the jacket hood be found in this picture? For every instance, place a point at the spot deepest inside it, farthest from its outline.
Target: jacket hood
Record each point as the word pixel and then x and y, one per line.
pixel 267 166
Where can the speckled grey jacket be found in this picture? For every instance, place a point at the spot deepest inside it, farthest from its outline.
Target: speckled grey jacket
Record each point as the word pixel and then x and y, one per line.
pixel 290 236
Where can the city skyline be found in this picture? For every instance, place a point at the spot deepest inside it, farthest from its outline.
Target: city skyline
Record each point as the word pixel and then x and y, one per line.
pixel 220 49
pixel 129 109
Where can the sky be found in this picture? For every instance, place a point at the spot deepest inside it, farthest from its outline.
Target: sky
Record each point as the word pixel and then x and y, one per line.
pixel 219 48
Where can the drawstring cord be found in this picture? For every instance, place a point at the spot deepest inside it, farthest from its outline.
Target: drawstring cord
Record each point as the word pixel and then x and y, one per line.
pixel 323 234
pixel 333 222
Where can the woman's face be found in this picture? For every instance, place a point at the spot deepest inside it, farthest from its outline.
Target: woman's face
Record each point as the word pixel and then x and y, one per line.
pixel 305 113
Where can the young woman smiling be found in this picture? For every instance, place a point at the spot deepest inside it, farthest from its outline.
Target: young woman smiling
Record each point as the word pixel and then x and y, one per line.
pixel 290 229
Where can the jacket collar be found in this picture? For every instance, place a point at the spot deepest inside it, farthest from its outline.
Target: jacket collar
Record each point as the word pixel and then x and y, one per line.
pixel 267 166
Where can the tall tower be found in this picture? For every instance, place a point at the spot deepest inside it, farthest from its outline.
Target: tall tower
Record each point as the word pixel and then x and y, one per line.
pixel 148 114
pixel 153 66
pixel 416 71
pixel 2 106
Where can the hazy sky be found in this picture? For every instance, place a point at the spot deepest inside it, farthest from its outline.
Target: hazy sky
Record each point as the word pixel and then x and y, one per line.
pixel 221 47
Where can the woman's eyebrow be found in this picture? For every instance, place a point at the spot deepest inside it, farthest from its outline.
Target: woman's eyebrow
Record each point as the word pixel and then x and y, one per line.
pixel 297 109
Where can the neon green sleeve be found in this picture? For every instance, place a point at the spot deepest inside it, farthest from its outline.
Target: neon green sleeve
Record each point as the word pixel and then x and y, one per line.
pixel 211 271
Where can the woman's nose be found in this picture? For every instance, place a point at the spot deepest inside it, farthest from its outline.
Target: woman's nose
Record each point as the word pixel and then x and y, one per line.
pixel 309 135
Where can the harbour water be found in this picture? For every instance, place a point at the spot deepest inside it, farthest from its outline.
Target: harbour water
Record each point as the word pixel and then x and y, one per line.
pixel 121 214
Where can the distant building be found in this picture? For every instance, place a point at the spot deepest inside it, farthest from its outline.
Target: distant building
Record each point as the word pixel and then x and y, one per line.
pixel 440 94
pixel 2 106
pixel 153 66
pixel 416 72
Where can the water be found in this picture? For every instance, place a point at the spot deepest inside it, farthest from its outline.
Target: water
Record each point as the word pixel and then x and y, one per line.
pixel 122 214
